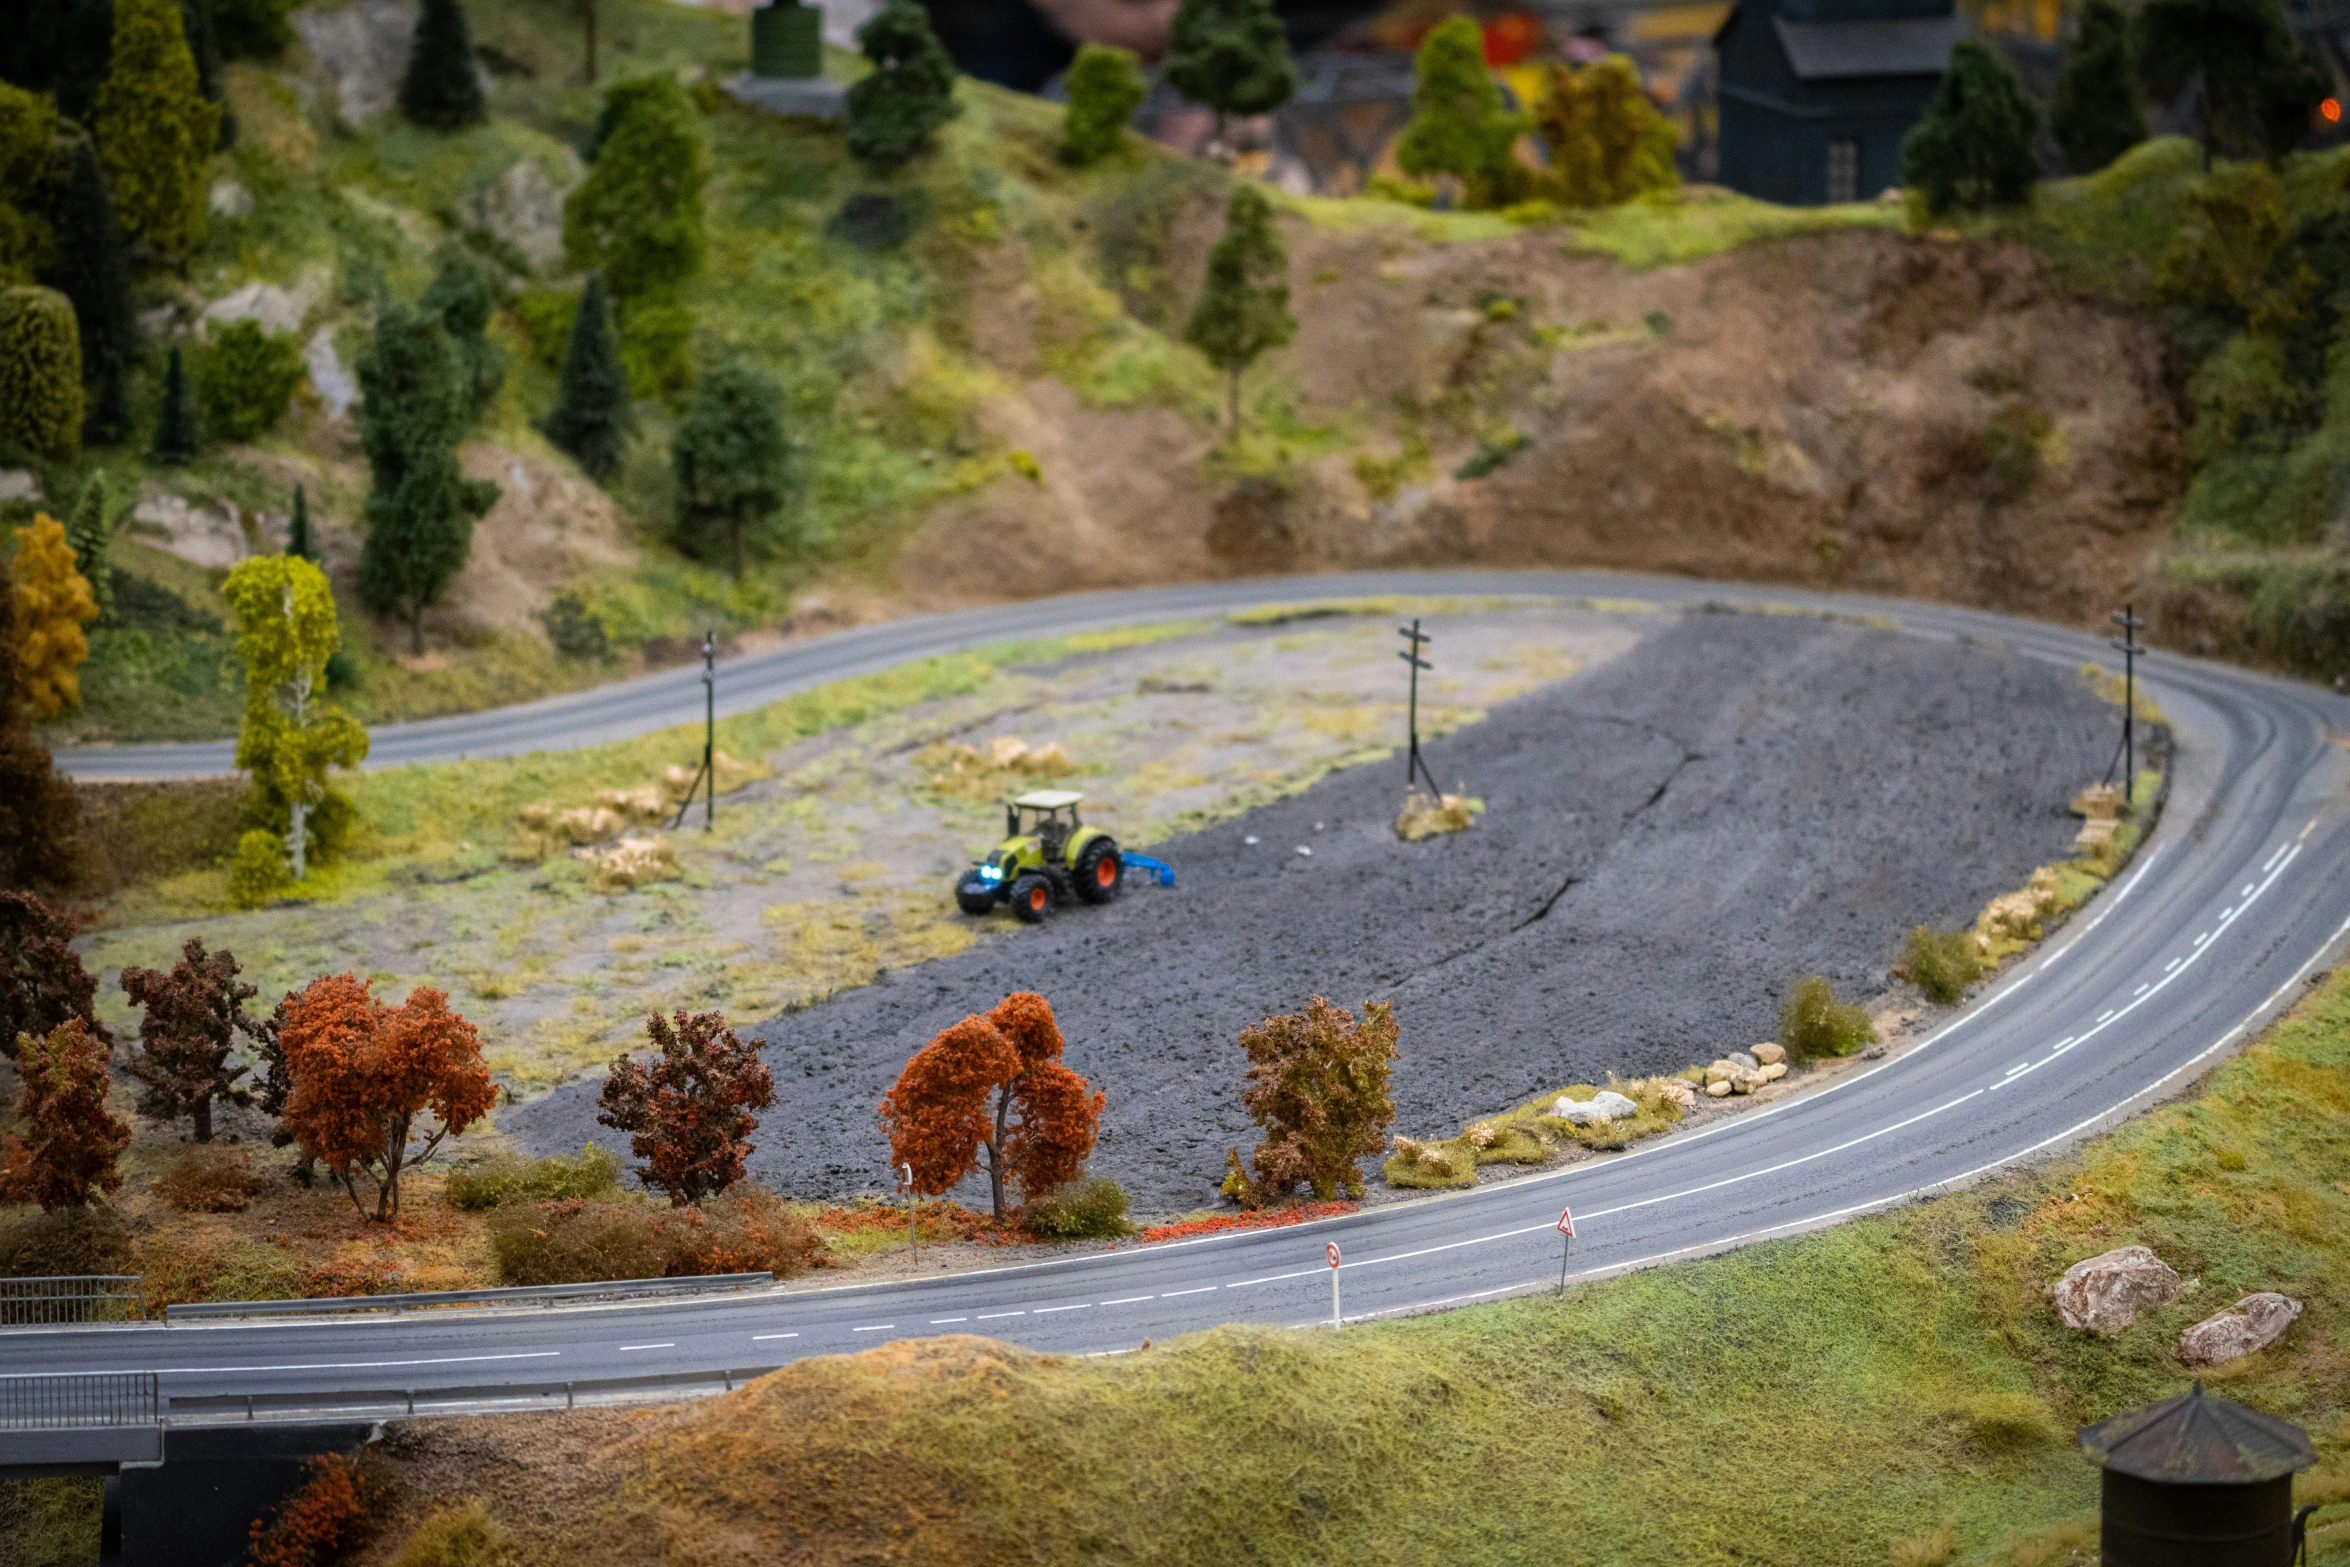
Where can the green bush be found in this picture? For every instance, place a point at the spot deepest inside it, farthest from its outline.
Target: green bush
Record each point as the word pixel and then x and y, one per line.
pixel 656 346
pixel 457 1535
pixel 258 872
pixel 1106 86
pixel 576 630
pixel 1942 963
pixel 1812 1022
pixel 245 380
pixel 477 1188
pixel 545 316
pixel 40 372
pixel 1089 1208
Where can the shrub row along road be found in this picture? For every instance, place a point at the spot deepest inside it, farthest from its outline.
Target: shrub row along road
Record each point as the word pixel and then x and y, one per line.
pixel 2238 898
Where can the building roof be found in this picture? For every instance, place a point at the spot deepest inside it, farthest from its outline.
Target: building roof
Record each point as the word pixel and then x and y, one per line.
pixel 2196 1439
pixel 1836 51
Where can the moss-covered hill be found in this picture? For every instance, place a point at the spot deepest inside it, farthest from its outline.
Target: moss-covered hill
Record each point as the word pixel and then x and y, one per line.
pixel 985 376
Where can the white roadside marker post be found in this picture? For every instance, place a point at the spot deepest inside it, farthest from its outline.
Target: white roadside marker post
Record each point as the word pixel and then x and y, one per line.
pixel 1336 1321
pixel 1566 1244
pixel 913 1224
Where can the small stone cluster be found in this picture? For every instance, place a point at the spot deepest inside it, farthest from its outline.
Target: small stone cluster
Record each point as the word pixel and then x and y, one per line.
pixel 2100 808
pixel 2016 916
pixel 1744 1071
pixel 2106 1293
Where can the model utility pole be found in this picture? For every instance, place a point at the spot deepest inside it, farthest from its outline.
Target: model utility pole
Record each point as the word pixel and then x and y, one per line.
pixel 2129 647
pixel 705 780
pixel 1414 640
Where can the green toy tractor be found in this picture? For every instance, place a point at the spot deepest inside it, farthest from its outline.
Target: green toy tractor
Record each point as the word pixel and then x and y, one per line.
pixel 1048 856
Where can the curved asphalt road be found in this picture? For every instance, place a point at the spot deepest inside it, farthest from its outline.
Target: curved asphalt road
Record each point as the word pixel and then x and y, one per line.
pixel 2239 897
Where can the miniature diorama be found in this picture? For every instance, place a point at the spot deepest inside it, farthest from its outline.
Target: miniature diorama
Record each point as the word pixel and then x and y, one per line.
pixel 1069 781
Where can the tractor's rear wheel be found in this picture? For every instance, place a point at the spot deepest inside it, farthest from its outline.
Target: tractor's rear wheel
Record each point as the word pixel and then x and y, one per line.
pixel 1097 871
pixel 1032 895
pixel 974 894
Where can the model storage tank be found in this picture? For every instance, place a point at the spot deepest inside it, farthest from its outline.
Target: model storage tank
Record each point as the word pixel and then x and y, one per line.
pixel 2198 1481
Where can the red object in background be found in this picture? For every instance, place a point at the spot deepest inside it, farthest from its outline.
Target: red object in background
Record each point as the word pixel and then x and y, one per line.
pixel 1511 38
pixel 2329 111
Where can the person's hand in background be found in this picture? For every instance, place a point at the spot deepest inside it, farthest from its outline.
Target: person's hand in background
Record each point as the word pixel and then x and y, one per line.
pixel 1139 25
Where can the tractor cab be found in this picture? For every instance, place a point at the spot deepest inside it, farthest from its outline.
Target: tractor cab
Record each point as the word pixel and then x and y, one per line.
pixel 1048 815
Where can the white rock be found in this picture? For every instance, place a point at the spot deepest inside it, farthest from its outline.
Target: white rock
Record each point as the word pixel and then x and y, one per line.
pixel 524 207
pixel 1719 1088
pixel 19 484
pixel 328 378
pixel 364 47
pixel 1743 1059
pixel 231 200
pixel 1772 1071
pixel 2104 1294
pixel 196 534
pixel 2251 1324
pixel 271 307
pixel 1606 1105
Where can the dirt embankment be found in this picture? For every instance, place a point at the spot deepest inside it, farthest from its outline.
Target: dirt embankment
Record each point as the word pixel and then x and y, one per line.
pixel 1856 409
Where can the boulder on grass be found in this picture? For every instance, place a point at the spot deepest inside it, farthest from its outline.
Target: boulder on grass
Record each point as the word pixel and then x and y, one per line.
pixel 1606 1105
pixel 2104 1294
pixel 2251 1324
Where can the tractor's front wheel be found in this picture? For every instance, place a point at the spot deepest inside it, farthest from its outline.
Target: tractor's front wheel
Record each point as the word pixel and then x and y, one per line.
pixel 1097 870
pixel 1032 895
pixel 974 894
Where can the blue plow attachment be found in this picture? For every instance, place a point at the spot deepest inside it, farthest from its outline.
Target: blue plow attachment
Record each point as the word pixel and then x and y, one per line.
pixel 1157 870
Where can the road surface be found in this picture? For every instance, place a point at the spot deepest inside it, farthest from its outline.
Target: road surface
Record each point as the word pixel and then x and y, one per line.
pixel 2236 901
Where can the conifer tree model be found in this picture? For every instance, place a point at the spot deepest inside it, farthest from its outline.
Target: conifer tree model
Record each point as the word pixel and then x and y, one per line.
pixel 1244 309
pixel 89 530
pixel 415 409
pixel 2260 87
pixel 177 437
pixel 441 89
pixel 909 93
pixel 464 295
pixel 593 413
pixel 154 129
pixel 2095 110
pixel 1973 148
pixel 196 23
pixel 1231 56
pixel 94 272
pixel 299 543
pixel 733 462
pixel 40 372
pixel 637 217
pixel 1458 124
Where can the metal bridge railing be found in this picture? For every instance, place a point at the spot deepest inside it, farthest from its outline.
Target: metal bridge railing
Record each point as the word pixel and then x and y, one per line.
pixel 68 1299
pixel 77 1401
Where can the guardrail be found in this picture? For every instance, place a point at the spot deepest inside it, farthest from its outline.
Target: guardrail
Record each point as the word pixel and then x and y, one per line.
pixel 522 1295
pixel 409 1400
pixel 66 1299
pixel 77 1400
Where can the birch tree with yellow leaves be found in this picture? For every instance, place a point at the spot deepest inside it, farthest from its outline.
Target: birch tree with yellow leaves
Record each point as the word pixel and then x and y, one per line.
pixel 291 735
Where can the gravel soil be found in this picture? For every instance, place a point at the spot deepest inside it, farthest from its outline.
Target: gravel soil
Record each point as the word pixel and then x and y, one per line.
pixel 1669 840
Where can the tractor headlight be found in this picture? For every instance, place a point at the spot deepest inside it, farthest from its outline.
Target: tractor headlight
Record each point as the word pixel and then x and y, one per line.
pixel 991 872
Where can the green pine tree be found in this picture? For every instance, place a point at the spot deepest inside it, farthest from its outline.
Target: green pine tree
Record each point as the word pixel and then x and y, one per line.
pixel 1244 308
pixel 155 131
pixel 251 29
pixel 196 22
pixel 1459 126
pixel 593 413
pixel 1106 86
pixel 94 271
pixel 421 508
pixel 2095 110
pixel 465 296
pixel 2260 87
pixel 442 89
pixel 90 530
pixel 299 542
pixel 1973 148
pixel 59 47
pixel 909 93
pixel 734 464
pixel 1231 56
pixel 637 217
pixel 178 439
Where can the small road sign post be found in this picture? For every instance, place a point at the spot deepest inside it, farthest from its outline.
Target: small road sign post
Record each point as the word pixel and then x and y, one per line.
pixel 2129 647
pixel 1336 1321
pixel 913 1223
pixel 1566 1244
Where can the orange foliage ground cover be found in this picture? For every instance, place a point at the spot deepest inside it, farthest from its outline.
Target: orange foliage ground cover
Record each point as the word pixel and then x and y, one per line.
pixel 1261 1219
pixel 320 1520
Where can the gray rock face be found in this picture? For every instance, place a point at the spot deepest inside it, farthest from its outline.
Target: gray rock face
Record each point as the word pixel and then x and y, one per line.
pixel 230 200
pixel 328 378
pixel 1606 1105
pixel 2250 1325
pixel 2104 1294
pixel 364 47
pixel 199 535
pixel 273 308
pixel 19 484
pixel 524 207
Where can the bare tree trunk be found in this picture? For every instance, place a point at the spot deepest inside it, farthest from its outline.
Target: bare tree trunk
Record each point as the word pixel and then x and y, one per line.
pixel 995 1160
pixel 587 11
pixel 1232 400
pixel 204 1119
pixel 416 628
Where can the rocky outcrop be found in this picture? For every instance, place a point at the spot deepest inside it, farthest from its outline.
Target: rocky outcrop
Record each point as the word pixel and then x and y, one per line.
pixel 2104 1294
pixel 2251 1324
pixel 1606 1105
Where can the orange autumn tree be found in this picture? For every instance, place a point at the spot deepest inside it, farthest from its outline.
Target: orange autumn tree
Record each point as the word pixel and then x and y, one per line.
pixel 994 1084
pixel 1317 1084
pixel 76 1139
pixel 364 1073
